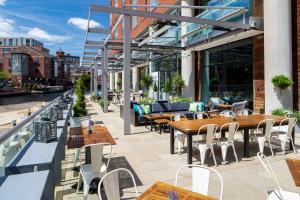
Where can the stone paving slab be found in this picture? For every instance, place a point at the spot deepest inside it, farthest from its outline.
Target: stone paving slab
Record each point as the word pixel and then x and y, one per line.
pixel 148 154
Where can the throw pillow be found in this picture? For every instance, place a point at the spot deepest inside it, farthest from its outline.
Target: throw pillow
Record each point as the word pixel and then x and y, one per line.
pixel 137 108
pixel 193 107
pixel 200 107
pixel 146 109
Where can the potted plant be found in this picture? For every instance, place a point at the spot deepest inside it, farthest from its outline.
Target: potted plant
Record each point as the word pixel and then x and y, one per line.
pixel 146 82
pixel 166 90
pixel 119 83
pixel 155 93
pixel 177 84
pixel 281 82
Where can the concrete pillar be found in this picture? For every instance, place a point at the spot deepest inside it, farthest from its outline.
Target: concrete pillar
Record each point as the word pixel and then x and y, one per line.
pixel 95 77
pixel 187 57
pixel 105 78
pixel 123 82
pixel 116 80
pixel 135 79
pixel 111 81
pixel 278 51
pixel 92 79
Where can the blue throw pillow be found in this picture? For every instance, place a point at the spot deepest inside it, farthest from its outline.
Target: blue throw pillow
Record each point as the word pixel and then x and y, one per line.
pixel 200 107
pixel 137 108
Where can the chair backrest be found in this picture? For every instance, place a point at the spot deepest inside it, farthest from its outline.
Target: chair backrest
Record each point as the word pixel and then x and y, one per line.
pixel 238 106
pixel 96 155
pixel 201 176
pixel 111 184
pixel 232 129
pixel 210 132
pixel 270 179
pixel 268 123
pixel 200 115
pixel 245 112
pixel 177 117
pixel 291 124
pixel 228 113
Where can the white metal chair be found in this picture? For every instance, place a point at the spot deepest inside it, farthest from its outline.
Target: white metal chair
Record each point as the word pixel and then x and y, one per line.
pixel 204 145
pixel 200 115
pixel 97 168
pixel 272 186
pixel 238 106
pixel 224 142
pixel 245 112
pixel 201 178
pixel 263 137
pixel 284 132
pixel 111 184
pixel 180 136
pixel 228 113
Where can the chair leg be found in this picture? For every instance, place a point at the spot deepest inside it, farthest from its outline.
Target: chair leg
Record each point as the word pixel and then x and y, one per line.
pixel 86 188
pixel 213 154
pixel 261 144
pixel 180 144
pixel 224 148
pixel 79 183
pixel 283 139
pixel 295 151
pixel 270 145
pixel 235 155
pixel 76 156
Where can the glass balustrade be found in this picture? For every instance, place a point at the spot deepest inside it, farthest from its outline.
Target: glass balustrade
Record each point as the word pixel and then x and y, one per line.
pixel 14 141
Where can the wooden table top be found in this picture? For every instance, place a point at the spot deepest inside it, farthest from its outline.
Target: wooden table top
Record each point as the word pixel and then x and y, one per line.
pixel 159 191
pixel 224 106
pixel 99 134
pixel 294 167
pixel 250 121
pixel 162 121
pixel 155 116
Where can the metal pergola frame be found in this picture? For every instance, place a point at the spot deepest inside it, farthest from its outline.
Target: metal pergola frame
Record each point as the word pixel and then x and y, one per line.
pixel 127 45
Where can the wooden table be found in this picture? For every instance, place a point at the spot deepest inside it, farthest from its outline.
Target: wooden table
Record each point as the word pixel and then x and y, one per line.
pixel 155 116
pixel 224 107
pixel 294 167
pixel 99 134
pixel 191 127
pixel 159 191
pixel 162 122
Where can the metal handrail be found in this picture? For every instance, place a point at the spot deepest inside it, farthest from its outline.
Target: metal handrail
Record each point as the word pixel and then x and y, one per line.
pixel 20 125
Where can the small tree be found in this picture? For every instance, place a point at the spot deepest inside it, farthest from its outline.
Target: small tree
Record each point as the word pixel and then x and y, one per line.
pixel 177 84
pixel 3 76
pixel 119 83
pixel 146 81
pixel 281 82
pixel 167 87
pixel 155 88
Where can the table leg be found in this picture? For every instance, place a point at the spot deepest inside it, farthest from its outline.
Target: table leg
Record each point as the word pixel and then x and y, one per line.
pixel 87 155
pixel 172 140
pixel 151 125
pixel 160 128
pixel 189 148
pixel 293 138
pixel 246 143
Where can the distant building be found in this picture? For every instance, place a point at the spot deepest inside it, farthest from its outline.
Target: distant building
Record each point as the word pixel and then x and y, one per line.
pixel 78 71
pixel 26 64
pixel 19 41
pixel 62 66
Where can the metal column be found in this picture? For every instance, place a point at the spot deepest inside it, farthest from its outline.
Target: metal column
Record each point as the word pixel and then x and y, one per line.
pixel 95 76
pixel 126 80
pixel 91 76
pixel 105 78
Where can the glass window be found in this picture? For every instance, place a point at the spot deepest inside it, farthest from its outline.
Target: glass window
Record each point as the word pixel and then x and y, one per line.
pixel 27 42
pixel 10 43
pixel 134 19
pixel 153 3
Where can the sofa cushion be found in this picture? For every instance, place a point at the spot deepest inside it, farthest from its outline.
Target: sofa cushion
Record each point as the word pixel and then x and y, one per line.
pixel 146 109
pixel 160 107
pixel 138 109
pixel 201 107
pixel 179 106
pixel 193 107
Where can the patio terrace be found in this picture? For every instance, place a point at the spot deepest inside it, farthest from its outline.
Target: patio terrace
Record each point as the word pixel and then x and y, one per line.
pixel 147 155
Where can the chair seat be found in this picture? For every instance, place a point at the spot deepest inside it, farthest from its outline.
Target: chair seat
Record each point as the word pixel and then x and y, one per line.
pixel 201 143
pixel 178 133
pixel 286 195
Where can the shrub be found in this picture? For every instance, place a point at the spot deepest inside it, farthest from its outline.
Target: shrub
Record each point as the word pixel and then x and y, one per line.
pixel 297 115
pixel 180 99
pixel 146 81
pixel 167 87
pixel 177 83
pixel 282 82
pixel 279 112
pixel 79 110
pixel 101 103
pixel 146 101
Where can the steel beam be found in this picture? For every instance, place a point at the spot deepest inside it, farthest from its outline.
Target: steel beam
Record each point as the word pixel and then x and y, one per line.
pixel 124 11
pixel 105 79
pixel 95 77
pixel 157 33
pixel 119 20
pixel 98 30
pixel 94 42
pixel 90 53
pixel 91 77
pixel 91 46
pixel 126 71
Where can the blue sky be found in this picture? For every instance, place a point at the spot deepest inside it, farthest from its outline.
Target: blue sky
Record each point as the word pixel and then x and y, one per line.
pixel 56 23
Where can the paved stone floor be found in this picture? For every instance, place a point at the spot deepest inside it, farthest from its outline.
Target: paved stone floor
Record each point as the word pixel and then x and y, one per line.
pixel 147 154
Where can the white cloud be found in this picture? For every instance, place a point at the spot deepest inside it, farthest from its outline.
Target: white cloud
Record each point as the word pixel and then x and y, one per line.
pixel 7 27
pixel 2 2
pixel 42 35
pixel 82 23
